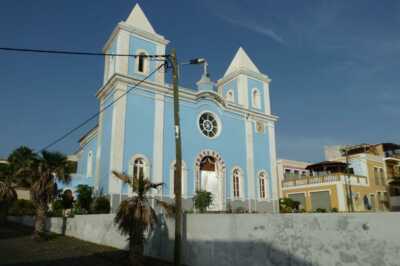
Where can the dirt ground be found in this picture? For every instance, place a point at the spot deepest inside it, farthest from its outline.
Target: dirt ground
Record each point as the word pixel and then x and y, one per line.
pixel 18 248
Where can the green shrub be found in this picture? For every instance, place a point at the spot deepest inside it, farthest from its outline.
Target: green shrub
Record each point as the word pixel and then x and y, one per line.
pixel 287 205
pixel 22 207
pixel 84 196
pixel 101 205
pixel 320 210
pixel 202 200
pixel 334 210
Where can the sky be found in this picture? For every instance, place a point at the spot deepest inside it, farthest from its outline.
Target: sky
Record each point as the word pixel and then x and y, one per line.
pixel 334 65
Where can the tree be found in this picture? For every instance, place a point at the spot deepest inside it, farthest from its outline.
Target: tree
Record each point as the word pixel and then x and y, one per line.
pixel 47 166
pixel 135 215
pixel 84 196
pixel 20 164
pixel 202 200
pixel 7 197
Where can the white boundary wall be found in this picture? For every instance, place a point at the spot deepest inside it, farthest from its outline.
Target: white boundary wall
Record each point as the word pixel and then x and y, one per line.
pixel 259 239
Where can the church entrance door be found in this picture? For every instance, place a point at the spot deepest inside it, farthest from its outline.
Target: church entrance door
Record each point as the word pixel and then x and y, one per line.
pixel 209 180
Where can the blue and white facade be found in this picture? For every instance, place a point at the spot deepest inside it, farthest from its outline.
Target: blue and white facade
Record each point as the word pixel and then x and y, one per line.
pixel 228 134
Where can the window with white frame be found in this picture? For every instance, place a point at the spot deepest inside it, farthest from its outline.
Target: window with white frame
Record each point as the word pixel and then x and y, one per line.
pixel 89 164
pixel 262 179
pixel 256 98
pixel 236 182
pixel 209 124
pixel 230 97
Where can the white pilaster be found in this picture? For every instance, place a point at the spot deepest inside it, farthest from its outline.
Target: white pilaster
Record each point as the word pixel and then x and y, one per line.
pixel 267 101
pixel 99 147
pixel 274 172
pixel 122 48
pixel 160 75
pixel 341 197
pixel 117 138
pixel 242 89
pixel 158 139
pixel 250 162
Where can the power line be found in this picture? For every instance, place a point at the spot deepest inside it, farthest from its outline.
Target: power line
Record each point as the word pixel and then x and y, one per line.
pixel 101 110
pixel 64 52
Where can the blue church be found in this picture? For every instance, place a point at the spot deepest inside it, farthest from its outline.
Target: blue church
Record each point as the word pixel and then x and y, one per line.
pixel 228 134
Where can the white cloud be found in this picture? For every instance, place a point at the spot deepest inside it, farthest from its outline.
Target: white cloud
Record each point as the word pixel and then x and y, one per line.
pixel 255 27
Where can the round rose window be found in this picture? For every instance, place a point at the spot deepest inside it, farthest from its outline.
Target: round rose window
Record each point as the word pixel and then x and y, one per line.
pixel 208 125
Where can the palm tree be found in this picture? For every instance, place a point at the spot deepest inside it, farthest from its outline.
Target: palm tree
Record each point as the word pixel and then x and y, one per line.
pixel 135 215
pixel 48 166
pixel 20 163
pixel 7 197
pixel 17 168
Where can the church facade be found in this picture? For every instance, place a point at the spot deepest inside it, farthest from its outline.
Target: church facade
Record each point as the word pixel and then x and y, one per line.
pixel 228 131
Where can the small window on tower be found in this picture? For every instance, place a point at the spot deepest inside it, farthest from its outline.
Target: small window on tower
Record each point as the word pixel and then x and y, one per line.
pixel 229 96
pixel 256 99
pixel 141 63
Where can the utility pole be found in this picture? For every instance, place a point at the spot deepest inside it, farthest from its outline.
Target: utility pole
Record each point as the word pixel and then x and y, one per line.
pixel 178 163
pixel 350 196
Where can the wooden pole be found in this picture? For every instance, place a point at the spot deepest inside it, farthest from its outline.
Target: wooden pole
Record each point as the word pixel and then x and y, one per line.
pixel 178 164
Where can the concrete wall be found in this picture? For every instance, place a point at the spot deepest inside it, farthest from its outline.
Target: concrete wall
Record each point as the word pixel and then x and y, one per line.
pixel 260 239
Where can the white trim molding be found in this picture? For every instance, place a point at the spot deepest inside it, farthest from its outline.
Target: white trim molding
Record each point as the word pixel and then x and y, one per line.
pixel 251 195
pixel 117 138
pixel 158 140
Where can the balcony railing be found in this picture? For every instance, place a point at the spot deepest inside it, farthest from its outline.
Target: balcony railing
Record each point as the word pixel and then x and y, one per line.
pixel 328 179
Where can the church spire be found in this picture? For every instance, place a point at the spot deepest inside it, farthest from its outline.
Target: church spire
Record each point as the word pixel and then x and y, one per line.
pixel 241 61
pixel 138 19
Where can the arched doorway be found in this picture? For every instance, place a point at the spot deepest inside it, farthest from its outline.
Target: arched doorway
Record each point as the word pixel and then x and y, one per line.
pixel 211 177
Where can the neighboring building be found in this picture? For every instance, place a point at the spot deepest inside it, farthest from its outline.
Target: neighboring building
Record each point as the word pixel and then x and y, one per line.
pixel 372 169
pixel 228 131
pixel 289 170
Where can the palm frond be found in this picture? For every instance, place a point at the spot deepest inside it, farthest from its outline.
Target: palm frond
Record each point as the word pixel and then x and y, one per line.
pixel 7 193
pixel 168 207
pixel 121 176
pixel 149 184
pixel 135 212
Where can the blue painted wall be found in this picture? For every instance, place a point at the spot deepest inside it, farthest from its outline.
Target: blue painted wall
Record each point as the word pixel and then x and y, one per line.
pixel 139 127
pixel 261 158
pixel 230 144
pixel 231 85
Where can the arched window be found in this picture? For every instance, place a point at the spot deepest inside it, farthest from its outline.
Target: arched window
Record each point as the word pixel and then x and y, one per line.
pixel 256 98
pixel 142 63
pixel 262 179
pixel 230 97
pixel 236 183
pixel 89 164
pixel 172 179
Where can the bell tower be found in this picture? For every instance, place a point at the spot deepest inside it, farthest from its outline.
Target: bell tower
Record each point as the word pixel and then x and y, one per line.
pixel 245 85
pixel 134 36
